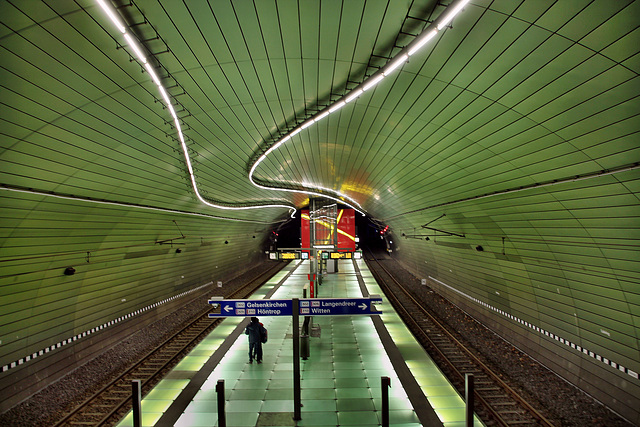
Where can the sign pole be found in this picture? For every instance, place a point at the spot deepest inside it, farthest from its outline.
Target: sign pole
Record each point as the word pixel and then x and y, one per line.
pixel 296 360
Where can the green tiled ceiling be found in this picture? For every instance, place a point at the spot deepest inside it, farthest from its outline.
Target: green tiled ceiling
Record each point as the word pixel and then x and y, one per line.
pixel 519 122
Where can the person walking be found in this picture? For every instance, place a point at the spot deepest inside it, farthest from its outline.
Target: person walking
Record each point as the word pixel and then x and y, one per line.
pixel 257 335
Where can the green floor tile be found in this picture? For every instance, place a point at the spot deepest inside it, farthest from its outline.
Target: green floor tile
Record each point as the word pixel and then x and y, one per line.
pixel 247 394
pixel 451 415
pixel 162 394
pixel 255 384
pixel 277 406
pixel 355 404
pixel 340 379
pixel 243 405
pixel 318 383
pixel 347 365
pixel 347 393
pixel 314 365
pixel 242 419
pixel 203 406
pixel 326 405
pixel 318 419
pixel 255 374
pixel 197 420
pixel 279 393
pixel 358 418
pixel 281 374
pixel 313 374
pixel 351 382
pixel 447 402
pixel 318 393
pixel 149 405
pixel 172 384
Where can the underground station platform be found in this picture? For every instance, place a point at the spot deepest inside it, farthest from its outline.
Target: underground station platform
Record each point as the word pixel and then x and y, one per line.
pixel 360 370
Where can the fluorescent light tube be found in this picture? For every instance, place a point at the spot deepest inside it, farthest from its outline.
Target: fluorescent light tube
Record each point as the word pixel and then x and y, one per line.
pixel 165 96
pixel 133 45
pixel 337 106
pixel 422 41
pixel 451 14
pixel 353 96
pixel 153 74
pixel 372 82
pixel 395 64
pixel 321 116
pixel 110 13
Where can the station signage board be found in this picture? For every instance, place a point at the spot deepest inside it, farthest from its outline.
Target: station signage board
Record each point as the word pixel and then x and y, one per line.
pixel 308 307
pixel 285 255
pixel 289 255
pixel 340 255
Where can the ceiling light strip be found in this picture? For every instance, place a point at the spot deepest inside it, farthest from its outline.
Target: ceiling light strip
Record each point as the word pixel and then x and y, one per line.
pixel 139 55
pixel 396 62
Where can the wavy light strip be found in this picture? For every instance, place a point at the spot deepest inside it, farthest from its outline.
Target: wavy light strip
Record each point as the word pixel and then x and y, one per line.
pixel 396 62
pixel 139 55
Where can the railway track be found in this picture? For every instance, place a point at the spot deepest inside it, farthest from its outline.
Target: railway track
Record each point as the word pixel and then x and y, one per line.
pixel 112 402
pixel 496 403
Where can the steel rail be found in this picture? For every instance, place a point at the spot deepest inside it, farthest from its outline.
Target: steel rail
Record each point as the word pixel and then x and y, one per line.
pixel 121 385
pixel 541 419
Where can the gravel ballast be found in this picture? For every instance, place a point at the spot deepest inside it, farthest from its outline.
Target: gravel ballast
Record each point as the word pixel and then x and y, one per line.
pixel 561 401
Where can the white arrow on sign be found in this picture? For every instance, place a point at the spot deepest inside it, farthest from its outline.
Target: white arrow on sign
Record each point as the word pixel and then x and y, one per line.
pixel 363 306
pixel 228 308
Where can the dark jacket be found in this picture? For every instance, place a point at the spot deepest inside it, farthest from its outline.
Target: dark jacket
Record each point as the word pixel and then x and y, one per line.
pixel 256 332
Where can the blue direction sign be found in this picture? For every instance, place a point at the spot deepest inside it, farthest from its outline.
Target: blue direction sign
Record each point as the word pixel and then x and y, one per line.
pixel 338 306
pixel 308 307
pixel 252 307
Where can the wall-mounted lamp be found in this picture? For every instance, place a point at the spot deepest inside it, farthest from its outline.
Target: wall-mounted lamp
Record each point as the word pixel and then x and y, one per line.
pixel 69 271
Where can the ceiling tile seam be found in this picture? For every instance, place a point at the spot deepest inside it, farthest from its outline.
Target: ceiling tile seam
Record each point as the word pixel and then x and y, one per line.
pixel 73 89
pixel 577 42
pixel 441 22
pixel 574 178
pixel 464 88
pixel 204 92
pixel 533 141
pixel 114 17
pixel 77 157
pixel 399 62
pixel 122 204
pixel 494 83
pixel 550 133
pixel 407 90
pixel 580 268
pixel 271 71
pixel 373 178
pixel 398 102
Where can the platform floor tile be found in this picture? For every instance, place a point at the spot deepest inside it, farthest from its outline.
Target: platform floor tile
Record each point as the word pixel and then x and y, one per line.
pixel 340 384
